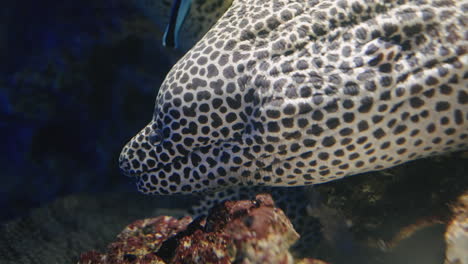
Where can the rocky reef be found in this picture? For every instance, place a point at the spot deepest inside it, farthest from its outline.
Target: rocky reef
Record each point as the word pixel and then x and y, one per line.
pixel 384 217
pixel 249 231
pixel 456 235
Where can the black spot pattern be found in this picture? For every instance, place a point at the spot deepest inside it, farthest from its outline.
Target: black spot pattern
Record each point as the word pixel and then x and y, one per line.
pixel 306 94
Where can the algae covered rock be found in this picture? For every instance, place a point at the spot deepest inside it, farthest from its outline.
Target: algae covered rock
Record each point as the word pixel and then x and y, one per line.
pixel 60 231
pixel 249 231
pixel 456 235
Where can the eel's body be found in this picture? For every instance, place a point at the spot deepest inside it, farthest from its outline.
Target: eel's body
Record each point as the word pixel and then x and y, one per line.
pixel 292 93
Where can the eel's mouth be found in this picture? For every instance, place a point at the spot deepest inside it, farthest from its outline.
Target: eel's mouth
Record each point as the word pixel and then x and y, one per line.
pixel 132 166
pixel 126 169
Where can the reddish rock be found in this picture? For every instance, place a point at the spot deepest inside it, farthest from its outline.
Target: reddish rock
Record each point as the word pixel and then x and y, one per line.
pixel 138 242
pixel 234 232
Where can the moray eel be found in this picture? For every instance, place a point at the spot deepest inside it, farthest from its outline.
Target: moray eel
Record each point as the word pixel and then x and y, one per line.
pixel 294 93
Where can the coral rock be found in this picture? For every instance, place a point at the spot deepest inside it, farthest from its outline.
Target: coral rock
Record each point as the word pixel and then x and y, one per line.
pixel 456 236
pixel 234 232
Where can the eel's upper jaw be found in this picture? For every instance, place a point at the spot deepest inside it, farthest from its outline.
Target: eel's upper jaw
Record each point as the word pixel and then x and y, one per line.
pixel 129 162
pixel 124 164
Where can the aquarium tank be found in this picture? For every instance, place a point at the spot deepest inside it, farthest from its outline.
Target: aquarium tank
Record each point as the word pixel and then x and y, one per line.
pixel 234 131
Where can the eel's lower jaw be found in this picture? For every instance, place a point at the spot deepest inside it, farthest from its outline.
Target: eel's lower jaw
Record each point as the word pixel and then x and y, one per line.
pixel 125 168
pixel 131 174
pixel 125 165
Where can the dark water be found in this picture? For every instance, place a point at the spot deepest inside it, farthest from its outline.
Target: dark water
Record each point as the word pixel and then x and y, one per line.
pixel 76 82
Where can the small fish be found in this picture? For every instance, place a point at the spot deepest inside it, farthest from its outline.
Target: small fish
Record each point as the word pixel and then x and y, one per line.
pixel 179 11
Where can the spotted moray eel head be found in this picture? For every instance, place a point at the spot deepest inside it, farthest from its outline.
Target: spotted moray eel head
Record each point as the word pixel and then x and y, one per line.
pixel 288 93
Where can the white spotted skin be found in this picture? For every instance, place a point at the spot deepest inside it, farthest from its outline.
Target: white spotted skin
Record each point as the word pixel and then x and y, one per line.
pixel 292 93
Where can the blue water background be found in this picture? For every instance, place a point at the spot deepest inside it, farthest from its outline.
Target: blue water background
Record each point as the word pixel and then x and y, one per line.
pixel 75 85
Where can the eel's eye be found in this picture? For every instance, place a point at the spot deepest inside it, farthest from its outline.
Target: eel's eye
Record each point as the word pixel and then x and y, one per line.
pixel 155 137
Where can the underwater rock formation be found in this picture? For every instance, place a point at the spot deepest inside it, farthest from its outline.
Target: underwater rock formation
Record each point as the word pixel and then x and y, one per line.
pixel 456 236
pixel 62 230
pixel 249 231
pixel 355 216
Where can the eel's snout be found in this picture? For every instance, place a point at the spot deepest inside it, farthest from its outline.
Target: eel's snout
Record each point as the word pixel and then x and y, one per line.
pixel 133 157
pixel 124 163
